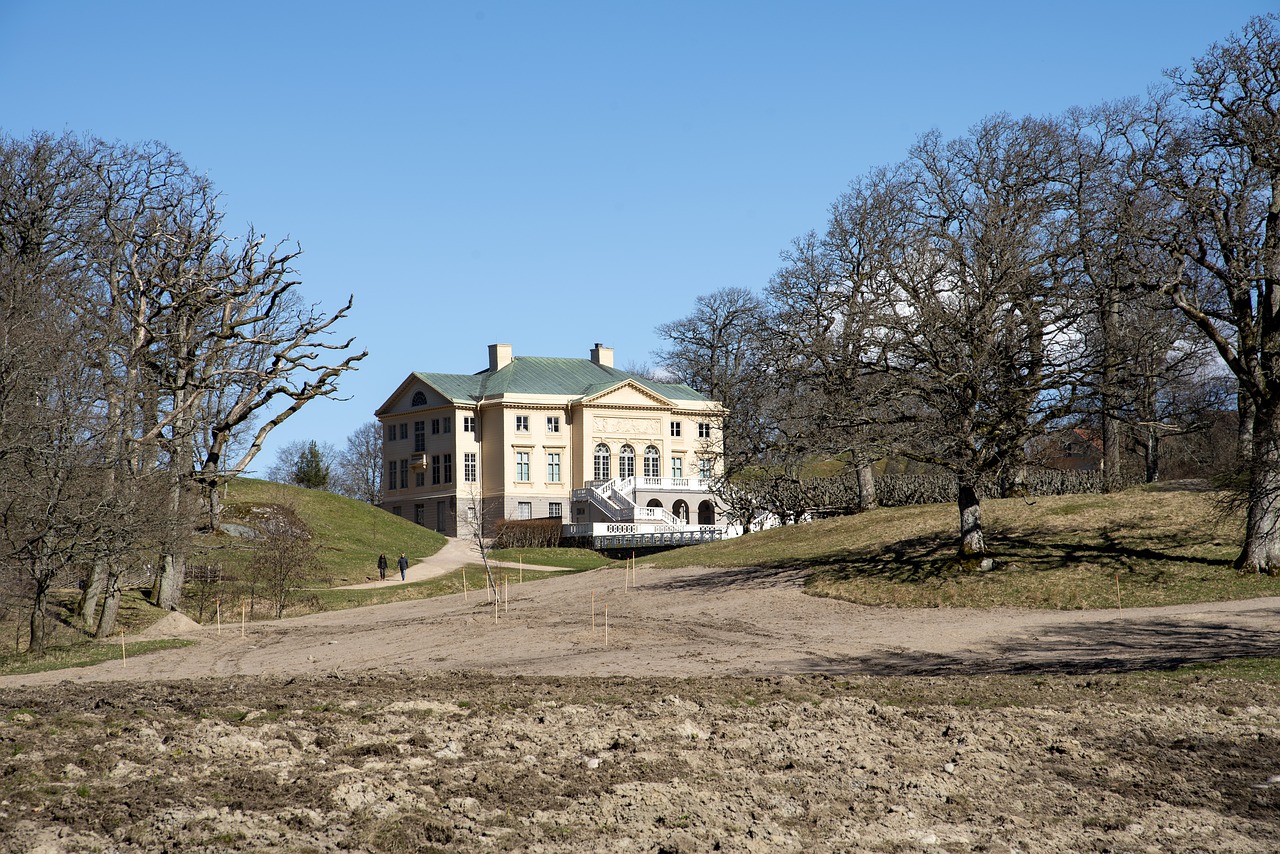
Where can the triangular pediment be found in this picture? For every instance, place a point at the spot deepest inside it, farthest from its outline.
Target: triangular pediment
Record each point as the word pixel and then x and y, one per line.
pixel 414 393
pixel 626 393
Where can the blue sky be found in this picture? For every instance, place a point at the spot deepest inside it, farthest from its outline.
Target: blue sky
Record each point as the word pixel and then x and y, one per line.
pixel 553 174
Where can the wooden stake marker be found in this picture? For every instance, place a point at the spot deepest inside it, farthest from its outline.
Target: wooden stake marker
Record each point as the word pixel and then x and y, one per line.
pixel 606 624
pixel 241 619
pixel 593 612
pixel 123 661
pixel 464 584
pixel 217 606
pixel 1118 607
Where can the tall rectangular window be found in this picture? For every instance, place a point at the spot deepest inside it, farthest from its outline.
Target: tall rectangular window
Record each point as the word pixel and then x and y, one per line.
pixel 555 510
pixel 522 466
pixel 553 423
pixel 469 468
pixel 704 468
pixel 553 468
pixel 448 468
pixel 391 474
pixel 522 423
pixel 468 424
pixel 419 478
pixel 435 469
pixel 404 472
pixel 448 425
pixel 419 436
pixel 404 430
pixel 524 510
pixel 675 428
pixel 391 432
pixel 677 466
pixel 704 430
pixel 435 426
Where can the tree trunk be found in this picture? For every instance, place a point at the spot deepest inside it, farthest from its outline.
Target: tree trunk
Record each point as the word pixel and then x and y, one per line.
pixel 1013 481
pixel 88 607
pixel 867 498
pixel 1153 454
pixel 972 543
pixel 213 505
pixel 110 608
pixel 1245 408
pixel 1111 481
pixel 168 587
pixel 35 639
pixel 1261 551
pixel 1111 338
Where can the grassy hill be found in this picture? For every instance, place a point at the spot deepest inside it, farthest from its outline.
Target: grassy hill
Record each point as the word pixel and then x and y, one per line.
pixel 349 534
pixel 1159 545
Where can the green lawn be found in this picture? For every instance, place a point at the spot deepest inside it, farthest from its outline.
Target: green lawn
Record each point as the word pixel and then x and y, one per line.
pixel 349 534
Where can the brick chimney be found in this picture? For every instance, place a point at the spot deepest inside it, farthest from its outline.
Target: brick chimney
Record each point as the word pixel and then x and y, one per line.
pixel 602 355
pixel 499 356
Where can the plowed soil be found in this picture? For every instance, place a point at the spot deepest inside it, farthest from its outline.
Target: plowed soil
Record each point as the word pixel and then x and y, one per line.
pixel 726 710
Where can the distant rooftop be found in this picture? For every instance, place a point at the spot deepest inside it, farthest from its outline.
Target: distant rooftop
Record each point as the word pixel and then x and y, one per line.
pixel 508 374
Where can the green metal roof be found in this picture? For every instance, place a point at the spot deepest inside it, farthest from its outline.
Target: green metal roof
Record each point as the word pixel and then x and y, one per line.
pixel 573 378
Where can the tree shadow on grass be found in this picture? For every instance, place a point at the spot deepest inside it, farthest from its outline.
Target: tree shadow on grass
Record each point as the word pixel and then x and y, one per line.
pixel 933 558
pixel 1121 645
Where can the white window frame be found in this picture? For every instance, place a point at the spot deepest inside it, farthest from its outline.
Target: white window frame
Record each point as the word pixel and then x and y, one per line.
pixel 522 466
pixel 675 429
pixel 522 423
pixel 553 467
pixel 553 423
pixel 652 462
pixel 469 467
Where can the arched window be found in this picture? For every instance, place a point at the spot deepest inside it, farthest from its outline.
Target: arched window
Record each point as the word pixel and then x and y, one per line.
pixel 680 510
pixel 602 461
pixel 652 462
pixel 653 502
pixel 419 399
pixel 706 513
pixel 627 462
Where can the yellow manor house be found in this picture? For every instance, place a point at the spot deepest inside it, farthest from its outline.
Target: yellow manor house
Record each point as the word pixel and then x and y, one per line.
pixel 621 459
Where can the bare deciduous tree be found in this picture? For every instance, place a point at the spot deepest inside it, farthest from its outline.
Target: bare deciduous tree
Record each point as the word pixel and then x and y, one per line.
pixel 359 465
pixel 1224 175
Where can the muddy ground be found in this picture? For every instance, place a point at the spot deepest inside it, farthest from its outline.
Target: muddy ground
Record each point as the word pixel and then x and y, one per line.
pixel 731 714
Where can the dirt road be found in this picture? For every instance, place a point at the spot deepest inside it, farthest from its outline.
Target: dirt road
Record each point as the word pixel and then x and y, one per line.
pixel 703 622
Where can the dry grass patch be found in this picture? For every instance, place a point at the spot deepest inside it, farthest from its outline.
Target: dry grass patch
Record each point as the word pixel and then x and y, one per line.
pixel 1161 545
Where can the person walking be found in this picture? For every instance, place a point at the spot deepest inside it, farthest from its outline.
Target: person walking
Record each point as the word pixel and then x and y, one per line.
pixel 382 567
pixel 403 563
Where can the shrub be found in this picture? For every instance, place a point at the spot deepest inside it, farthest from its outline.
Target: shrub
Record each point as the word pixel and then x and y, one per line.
pixel 527 533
